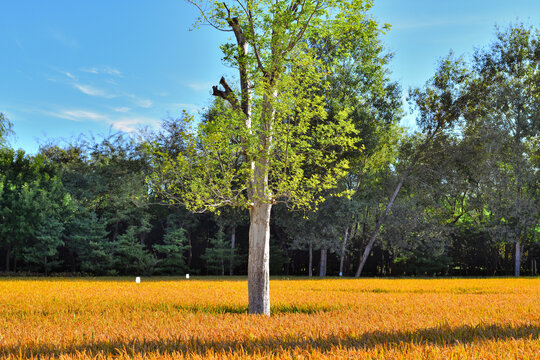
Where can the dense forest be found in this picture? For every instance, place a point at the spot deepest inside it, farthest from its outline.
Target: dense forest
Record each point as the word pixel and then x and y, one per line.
pixel 457 195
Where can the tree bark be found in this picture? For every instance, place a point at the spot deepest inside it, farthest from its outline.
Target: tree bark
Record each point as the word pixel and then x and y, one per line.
pixel 259 259
pixel 231 260
pixel 375 232
pixel 517 265
pixel 322 263
pixel 8 256
pixel 310 264
pixel 343 248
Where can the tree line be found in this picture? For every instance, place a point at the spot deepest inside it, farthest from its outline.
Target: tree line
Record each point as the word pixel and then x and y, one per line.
pixel 459 196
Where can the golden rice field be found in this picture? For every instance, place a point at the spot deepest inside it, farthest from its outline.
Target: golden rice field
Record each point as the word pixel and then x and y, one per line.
pixel 321 319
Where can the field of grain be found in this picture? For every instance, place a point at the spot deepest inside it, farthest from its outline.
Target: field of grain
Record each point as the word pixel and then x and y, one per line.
pixel 333 318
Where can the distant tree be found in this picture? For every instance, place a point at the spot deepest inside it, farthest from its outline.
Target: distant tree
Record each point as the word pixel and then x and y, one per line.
pixel 171 258
pixel 88 238
pixel 440 104
pixel 33 206
pixel 131 254
pixel 5 128
pixel 506 109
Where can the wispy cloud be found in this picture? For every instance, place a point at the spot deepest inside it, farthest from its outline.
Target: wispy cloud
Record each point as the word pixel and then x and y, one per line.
pixel 200 86
pixel 70 75
pixel 191 108
pixel 131 124
pixel 140 102
pixel 122 109
pixel 64 38
pixel 78 115
pixel 107 70
pixel 92 91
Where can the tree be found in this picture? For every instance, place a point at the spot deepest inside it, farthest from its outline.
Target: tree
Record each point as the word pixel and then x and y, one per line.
pixel 440 104
pixel 217 254
pixel 5 128
pixel 506 107
pixel 172 260
pixel 87 237
pixel 272 140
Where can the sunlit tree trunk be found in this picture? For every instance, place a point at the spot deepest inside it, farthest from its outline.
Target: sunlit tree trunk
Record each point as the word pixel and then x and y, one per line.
pixel 259 259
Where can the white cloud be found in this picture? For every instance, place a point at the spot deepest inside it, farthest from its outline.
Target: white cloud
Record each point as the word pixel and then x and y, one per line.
pixel 79 115
pixel 92 91
pixel 140 102
pixel 69 75
pixel 122 109
pixel 108 70
pixel 200 86
pixel 90 70
pixel 129 124
pixel 111 71
pixel 190 108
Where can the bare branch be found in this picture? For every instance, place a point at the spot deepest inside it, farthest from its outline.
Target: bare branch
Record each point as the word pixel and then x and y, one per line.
pixel 227 95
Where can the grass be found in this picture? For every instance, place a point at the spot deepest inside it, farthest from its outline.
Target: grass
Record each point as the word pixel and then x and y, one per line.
pixel 207 318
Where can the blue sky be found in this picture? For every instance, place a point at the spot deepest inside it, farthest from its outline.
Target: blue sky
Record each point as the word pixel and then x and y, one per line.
pixel 71 67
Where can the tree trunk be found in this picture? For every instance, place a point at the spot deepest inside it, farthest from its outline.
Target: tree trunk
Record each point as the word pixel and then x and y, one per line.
pixel 259 259
pixel 375 232
pixel 533 266
pixel 8 255
pixel 517 265
pixel 231 260
pixel 322 264
pixel 190 254
pixel 343 248
pixel 310 265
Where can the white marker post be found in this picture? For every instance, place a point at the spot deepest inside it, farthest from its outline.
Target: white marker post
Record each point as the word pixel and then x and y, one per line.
pixel 187 276
pixel 138 279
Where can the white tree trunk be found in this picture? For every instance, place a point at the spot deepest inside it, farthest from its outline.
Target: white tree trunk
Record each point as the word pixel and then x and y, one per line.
pixel 259 259
pixel 343 248
pixel 519 250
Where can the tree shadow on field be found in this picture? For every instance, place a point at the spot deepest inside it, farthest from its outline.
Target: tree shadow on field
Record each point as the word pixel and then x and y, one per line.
pixel 444 336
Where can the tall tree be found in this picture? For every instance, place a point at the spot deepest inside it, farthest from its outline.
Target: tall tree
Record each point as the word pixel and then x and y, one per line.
pixel 506 107
pixel 440 104
pixel 275 125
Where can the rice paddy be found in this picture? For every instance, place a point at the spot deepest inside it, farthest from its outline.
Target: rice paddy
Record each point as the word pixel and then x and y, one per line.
pixel 165 318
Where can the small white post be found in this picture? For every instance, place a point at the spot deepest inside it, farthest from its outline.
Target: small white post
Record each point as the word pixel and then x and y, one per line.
pixel 138 279
pixel 187 276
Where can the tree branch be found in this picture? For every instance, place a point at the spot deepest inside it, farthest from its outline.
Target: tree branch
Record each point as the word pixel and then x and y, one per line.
pixel 227 95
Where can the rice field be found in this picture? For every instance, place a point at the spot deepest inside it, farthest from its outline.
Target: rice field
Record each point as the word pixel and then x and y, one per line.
pixel 311 319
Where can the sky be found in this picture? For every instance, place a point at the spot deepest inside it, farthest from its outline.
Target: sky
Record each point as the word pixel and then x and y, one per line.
pixel 97 67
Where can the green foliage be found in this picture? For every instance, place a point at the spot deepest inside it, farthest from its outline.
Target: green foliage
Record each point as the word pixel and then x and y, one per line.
pixel 88 238
pixel 131 254
pixel 171 259
pixel 217 254
pixel 5 128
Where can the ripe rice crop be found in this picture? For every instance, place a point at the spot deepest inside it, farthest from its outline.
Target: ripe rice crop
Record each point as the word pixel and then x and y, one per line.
pixel 332 318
